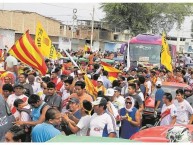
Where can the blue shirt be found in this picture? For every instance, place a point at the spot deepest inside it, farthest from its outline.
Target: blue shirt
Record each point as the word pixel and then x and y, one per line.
pixel 143 89
pixel 44 132
pixel 106 82
pixel 127 129
pixel 36 112
pixel 77 114
pixel 159 96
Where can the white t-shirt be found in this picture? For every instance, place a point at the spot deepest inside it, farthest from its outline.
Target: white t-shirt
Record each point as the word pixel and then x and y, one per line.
pixel 83 125
pixel 183 111
pixel 11 61
pixel 141 96
pixel 167 119
pixel 101 125
pixel 10 101
pixel 121 100
pixel 24 115
pixel 148 83
pixel 188 60
pixel 65 96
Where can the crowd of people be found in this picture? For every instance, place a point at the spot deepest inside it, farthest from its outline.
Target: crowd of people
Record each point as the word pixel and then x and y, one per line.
pixel 58 103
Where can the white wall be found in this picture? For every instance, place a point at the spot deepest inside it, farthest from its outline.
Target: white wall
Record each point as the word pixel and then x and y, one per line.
pixel 7 37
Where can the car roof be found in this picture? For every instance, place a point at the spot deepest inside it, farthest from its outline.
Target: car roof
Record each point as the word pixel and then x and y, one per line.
pixel 156 134
pixel 174 84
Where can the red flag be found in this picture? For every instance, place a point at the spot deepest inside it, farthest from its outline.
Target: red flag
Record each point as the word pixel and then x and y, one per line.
pixel 26 51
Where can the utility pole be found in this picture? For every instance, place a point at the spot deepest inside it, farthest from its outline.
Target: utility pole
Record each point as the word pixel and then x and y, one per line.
pixel 91 39
pixel 74 17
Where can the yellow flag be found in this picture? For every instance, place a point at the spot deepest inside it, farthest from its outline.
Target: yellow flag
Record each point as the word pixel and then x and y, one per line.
pixel 44 43
pixel 166 59
pixel 90 88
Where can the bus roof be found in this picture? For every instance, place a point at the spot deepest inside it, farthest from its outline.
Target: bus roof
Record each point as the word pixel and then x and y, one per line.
pixel 146 39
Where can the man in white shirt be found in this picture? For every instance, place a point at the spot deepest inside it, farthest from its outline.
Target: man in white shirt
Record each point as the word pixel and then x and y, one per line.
pixel 101 124
pixel 11 64
pixel 148 84
pixel 188 60
pixel 81 128
pixel 184 109
pixel 18 89
pixel 119 100
pixel 169 111
pixel 35 85
pixel 65 94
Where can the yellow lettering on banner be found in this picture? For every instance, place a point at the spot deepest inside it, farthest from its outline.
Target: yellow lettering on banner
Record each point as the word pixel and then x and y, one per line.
pixel 44 43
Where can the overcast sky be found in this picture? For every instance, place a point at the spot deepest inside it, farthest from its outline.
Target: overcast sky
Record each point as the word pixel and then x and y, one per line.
pixel 59 11
pixel 64 12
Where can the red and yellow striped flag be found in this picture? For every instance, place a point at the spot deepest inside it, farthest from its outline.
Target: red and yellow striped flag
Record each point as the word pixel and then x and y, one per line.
pixel 113 72
pixel 27 52
pixel 90 88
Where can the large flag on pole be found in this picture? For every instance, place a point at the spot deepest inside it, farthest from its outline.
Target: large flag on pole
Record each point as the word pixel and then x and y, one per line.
pixel 44 43
pixel 166 59
pixel 27 52
pixel 113 72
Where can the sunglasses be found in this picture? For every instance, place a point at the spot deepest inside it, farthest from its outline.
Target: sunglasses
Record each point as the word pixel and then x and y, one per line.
pixel 128 102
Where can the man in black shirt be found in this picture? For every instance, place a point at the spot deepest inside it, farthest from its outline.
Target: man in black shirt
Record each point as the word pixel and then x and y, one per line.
pixel 53 99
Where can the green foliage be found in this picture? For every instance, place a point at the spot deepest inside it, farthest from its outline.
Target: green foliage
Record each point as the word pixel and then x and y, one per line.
pixel 142 17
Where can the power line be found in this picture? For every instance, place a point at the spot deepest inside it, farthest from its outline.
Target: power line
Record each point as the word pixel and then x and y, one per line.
pixel 65 7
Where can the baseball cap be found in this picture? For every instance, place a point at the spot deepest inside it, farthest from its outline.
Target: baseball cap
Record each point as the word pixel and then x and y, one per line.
pixel 110 92
pixel 158 83
pixel 18 86
pixel 100 80
pixel 80 72
pixel 117 89
pixel 74 100
pixel 99 100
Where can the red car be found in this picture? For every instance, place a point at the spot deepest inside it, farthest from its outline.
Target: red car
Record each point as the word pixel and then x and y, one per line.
pixel 169 87
pixel 157 134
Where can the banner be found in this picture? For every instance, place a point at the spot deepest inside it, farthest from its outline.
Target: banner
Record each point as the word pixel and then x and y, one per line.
pixel 166 59
pixel 44 43
pixel 27 52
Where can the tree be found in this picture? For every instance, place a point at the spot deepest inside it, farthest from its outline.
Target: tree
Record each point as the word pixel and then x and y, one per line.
pixel 143 17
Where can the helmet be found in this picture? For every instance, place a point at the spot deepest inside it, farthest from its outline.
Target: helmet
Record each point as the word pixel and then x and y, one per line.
pixel 179 134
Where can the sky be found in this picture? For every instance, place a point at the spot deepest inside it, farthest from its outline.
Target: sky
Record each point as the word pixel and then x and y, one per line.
pixel 64 13
pixel 59 11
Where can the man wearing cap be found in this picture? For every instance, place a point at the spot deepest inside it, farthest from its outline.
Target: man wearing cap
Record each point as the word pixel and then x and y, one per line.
pixel 159 95
pixel 81 128
pixel 101 124
pixel 100 86
pixel 80 76
pixel 18 94
pixel 74 107
pixel 109 96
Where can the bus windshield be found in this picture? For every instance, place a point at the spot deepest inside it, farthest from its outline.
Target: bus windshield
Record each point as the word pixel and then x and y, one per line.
pixel 145 53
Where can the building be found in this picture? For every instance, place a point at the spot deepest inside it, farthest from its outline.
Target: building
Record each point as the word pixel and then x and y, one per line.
pixel 21 21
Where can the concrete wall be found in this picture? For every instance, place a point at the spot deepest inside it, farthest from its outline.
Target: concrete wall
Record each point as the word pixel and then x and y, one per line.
pixel 22 21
